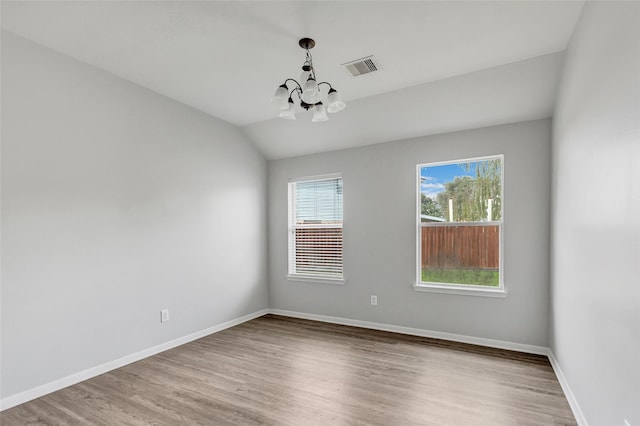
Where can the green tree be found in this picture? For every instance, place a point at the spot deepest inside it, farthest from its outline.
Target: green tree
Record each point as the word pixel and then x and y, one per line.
pixel 430 206
pixel 470 195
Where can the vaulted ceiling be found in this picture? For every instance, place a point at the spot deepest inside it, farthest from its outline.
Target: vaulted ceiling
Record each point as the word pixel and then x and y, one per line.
pixel 445 66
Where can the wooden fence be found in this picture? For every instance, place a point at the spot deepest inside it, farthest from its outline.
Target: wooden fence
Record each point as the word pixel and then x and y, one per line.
pixel 461 247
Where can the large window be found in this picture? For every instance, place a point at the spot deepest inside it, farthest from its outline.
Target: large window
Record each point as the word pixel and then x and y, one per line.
pixel 460 220
pixel 315 228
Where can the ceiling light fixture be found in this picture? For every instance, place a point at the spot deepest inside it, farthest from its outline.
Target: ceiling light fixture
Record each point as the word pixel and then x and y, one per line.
pixel 308 93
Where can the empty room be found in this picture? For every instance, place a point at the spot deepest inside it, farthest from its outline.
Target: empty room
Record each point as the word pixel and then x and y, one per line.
pixel 320 213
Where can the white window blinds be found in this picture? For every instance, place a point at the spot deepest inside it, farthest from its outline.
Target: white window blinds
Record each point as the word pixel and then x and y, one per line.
pixel 315 227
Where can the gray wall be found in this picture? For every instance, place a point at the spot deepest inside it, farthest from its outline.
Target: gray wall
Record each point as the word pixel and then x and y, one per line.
pixel 380 236
pixel 116 203
pixel 595 327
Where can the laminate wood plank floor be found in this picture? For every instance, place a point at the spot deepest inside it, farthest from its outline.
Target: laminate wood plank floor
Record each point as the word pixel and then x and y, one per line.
pixel 276 370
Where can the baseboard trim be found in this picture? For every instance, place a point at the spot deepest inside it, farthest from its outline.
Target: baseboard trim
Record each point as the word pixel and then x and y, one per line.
pixel 37 392
pixel 499 344
pixel 573 402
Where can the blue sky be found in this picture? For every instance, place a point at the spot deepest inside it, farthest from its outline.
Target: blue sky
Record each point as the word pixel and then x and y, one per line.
pixel 433 178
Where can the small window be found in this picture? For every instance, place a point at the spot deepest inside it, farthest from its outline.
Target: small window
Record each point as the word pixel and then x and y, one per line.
pixel 315 229
pixel 460 219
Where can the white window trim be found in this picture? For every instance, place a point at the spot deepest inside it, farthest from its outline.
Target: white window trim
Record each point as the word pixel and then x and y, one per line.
pixel 459 289
pixel 322 279
pixel 327 176
pixel 315 279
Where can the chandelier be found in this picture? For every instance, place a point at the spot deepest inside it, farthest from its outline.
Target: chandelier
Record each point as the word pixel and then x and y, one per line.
pixel 308 93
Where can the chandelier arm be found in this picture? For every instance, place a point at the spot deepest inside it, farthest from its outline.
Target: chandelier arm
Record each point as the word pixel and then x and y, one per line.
pixel 327 83
pixel 297 84
pixel 297 90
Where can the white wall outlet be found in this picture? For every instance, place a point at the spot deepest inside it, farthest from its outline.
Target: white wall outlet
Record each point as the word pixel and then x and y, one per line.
pixel 164 315
pixel 374 300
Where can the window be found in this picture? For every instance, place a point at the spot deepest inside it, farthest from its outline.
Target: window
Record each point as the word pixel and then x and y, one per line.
pixel 315 229
pixel 460 216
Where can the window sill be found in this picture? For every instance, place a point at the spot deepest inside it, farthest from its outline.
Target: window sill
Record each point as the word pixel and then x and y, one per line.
pixel 465 291
pixel 314 279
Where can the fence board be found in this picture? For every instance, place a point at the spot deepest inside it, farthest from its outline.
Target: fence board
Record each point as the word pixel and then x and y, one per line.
pixel 461 247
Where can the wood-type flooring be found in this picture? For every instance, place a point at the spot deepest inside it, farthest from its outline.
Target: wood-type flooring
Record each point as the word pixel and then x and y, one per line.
pixel 276 370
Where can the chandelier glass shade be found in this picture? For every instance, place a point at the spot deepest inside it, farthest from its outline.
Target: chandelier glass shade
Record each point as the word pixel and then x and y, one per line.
pixel 307 92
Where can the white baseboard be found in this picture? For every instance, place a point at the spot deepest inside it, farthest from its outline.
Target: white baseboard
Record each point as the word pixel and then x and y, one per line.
pixel 500 344
pixel 573 402
pixel 37 392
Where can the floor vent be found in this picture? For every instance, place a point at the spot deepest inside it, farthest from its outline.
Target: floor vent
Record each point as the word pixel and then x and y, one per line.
pixel 362 66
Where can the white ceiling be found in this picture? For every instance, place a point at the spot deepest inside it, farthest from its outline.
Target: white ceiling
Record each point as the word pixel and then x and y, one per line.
pixel 227 58
pixel 509 93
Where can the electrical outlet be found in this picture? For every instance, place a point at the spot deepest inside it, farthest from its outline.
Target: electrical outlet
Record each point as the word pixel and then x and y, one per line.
pixel 374 300
pixel 164 315
pixel 626 422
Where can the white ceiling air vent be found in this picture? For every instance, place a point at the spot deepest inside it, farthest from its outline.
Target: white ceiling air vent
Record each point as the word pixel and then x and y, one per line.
pixel 362 66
